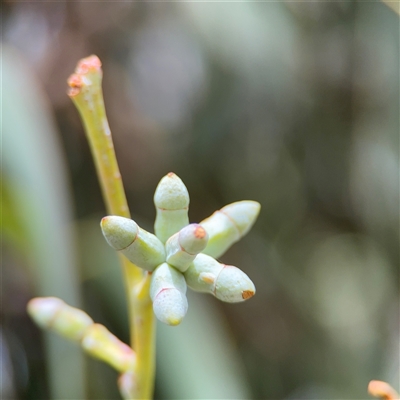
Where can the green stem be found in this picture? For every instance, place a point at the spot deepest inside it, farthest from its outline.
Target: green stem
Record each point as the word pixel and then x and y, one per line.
pixel 86 93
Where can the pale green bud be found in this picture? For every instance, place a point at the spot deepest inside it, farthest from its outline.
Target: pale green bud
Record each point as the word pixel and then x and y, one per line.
pixel 127 385
pixel 228 225
pixel 171 199
pixel 225 282
pixel 52 313
pixel 202 273
pixel 183 247
pixel 167 290
pixel 233 285
pixel 137 245
pixel 100 343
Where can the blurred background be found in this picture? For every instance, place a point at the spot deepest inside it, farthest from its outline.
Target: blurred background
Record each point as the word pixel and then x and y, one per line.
pixel 292 104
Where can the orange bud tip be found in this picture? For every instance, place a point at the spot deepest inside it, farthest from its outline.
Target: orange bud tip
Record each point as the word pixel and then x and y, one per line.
pixel 246 294
pixel 170 174
pixel 382 390
pixel 199 232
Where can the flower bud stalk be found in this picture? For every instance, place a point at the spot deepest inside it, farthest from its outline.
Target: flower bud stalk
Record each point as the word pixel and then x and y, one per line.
pixel 100 343
pixel 53 313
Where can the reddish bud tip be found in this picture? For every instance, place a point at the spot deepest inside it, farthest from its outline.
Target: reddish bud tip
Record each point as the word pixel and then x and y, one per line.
pixel 246 294
pixel 200 232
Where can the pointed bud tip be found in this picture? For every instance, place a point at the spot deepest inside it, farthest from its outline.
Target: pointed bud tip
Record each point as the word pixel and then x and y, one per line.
pixel 171 193
pixel 43 309
pixel 243 213
pixel 119 232
pixel 233 285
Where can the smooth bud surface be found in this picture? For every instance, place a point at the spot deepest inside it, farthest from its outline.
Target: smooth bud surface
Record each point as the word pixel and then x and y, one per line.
pixel 53 313
pixel 170 306
pixel 99 342
pixel 228 225
pixel 167 290
pixel 233 285
pixel 166 277
pixel 225 282
pixel 171 199
pixel 141 247
pixel 119 232
pixel 183 247
pixel 171 193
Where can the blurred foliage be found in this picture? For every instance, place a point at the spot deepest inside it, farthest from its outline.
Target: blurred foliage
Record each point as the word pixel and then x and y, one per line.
pixel 292 104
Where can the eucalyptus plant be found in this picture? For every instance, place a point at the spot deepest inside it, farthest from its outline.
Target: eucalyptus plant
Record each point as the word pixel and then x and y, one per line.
pixel 157 267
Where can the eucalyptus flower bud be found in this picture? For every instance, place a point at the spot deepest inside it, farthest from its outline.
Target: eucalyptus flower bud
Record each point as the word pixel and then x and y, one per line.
pixel 52 313
pixel 100 343
pixel 226 226
pixel 183 247
pixel 168 292
pixel 137 245
pixel 225 282
pixel 171 199
pixel 127 384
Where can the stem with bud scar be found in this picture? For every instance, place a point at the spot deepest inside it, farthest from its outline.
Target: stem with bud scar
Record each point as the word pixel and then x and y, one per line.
pixel 86 93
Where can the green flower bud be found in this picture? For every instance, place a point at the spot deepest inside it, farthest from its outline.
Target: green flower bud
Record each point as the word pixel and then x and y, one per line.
pixel 171 199
pixel 233 285
pixel 167 290
pixel 137 245
pixel 202 273
pixel 225 282
pixel 100 343
pixel 228 225
pixel 119 232
pixel 52 313
pixel 183 247
pixel 127 385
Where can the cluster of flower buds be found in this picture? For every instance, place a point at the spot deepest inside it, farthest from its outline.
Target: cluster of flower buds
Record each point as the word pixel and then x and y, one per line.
pixel 74 324
pixel 182 254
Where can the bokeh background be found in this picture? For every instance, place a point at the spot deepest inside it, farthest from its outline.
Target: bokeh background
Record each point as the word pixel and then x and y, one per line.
pixel 292 104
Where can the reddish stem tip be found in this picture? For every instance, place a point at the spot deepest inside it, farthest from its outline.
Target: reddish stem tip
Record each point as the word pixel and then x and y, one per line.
pixel 75 81
pixel 88 64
